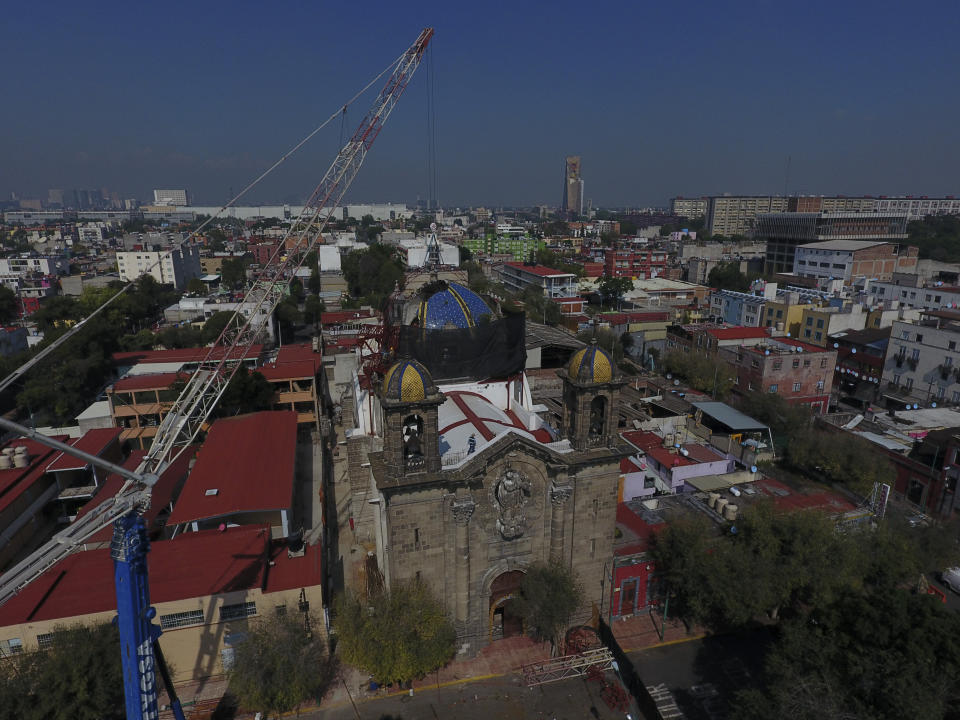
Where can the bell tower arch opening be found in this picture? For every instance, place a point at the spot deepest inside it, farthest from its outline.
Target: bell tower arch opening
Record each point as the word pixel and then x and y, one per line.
pixel 505 619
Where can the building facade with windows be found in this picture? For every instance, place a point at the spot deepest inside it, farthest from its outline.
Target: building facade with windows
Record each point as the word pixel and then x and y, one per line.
pixel 784 231
pixel 847 259
pixel 912 295
pixel 642 264
pixel 923 360
pixel 690 208
pixel 919 207
pixel 553 283
pixel 176 267
pixel 799 372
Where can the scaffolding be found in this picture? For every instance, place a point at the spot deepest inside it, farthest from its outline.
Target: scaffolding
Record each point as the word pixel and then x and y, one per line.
pixel 567 666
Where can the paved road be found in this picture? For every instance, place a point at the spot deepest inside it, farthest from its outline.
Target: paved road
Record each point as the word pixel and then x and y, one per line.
pixel 496 699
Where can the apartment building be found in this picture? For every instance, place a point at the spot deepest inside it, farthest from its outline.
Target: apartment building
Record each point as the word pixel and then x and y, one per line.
pixel 175 267
pixel 554 283
pixel 25 265
pixel 784 231
pixel 919 207
pixel 690 208
pixel 738 308
pixel 642 264
pixel 847 259
pixel 799 372
pixel 520 248
pixel 923 360
pixel 731 215
pixel 908 292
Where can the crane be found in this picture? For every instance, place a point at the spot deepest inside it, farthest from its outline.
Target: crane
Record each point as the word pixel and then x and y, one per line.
pixel 141 655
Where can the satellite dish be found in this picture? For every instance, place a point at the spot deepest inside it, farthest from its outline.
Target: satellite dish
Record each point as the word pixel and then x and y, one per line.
pixel 836 345
pixel 933 404
pixel 853 350
pixel 799 349
pixel 753 468
pixel 788 334
pixel 766 352
pixel 669 376
pixel 676 382
pixel 915 406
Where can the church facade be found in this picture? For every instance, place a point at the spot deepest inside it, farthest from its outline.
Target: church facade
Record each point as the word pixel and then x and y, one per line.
pixel 463 486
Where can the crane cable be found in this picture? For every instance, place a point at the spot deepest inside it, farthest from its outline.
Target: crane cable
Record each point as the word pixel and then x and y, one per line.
pixel 25 367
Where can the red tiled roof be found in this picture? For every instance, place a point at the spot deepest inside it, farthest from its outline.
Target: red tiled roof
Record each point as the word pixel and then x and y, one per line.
pixel 649 316
pixel 249 460
pixel 739 333
pixel 182 355
pixel 335 317
pixel 15 481
pixel 669 459
pixel 540 270
pixel 807 347
pixel 643 439
pixel 630 465
pixel 702 453
pixel 94 442
pixel 156 381
pixel 189 566
pixel 293 362
pixel 161 495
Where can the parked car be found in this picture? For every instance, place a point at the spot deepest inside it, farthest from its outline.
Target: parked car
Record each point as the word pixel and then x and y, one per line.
pixel 951 578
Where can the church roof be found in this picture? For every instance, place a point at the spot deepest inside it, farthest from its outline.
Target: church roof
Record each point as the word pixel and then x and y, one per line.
pixel 457 305
pixel 407 381
pixel 591 365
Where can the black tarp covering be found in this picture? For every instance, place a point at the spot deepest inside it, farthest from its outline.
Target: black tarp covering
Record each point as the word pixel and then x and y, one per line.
pixel 493 349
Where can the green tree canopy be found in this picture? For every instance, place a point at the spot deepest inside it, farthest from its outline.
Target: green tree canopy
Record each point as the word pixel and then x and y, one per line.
pixel 233 273
pixel 549 596
pixel 727 276
pixel 612 289
pixel 196 286
pixel 8 304
pixel 706 374
pixel 280 665
pixel 397 635
pixel 313 308
pixel 882 656
pixel 372 273
pixel 215 325
pixel 937 237
pixel 247 392
pixel 77 678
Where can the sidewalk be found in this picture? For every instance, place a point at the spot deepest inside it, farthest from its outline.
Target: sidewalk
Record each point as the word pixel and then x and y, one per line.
pixel 501 658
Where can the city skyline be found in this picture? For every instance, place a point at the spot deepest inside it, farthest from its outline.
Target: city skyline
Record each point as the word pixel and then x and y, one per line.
pixel 743 100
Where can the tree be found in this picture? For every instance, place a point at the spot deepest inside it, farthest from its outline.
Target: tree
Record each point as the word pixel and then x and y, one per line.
pixel 372 273
pixel 215 325
pixel 313 308
pixel 549 596
pixel 703 373
pixel 288 317
pixel 314 283
pixel 396 635
pixel 247 392
pixel 8 304
pixel 233 273
pixel 936 237
pixel 882 655
pixel 77 678
pixel 280 665
pixel 614 288
pixel 196 286
pixel 727 276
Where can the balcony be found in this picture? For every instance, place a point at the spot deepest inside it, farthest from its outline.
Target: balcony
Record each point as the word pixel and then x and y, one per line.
pixel 945 371
pixel 899 358
pixel 912 362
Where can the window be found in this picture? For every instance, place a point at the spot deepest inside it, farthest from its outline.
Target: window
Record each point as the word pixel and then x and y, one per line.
pixel 416 538
pixel 823 362
pixel 13 646
pixel 905 335
pixel 773 388
pixel 796 363
pixel 896 379
pixel 916 354
pixel 809 320
pixel 777 364
pixel 806 333
pixel 909 383
pixel 948 360
pixel 796 387
pixel 280 610
pixel 941 391
pixel 952 345
pixel 181 619
pixel 919 337
pixel 806 363
pixel 818 336
pixel 238 611
pixel 45 641
pixel 820 324
pixel 820 385
pixel 955 397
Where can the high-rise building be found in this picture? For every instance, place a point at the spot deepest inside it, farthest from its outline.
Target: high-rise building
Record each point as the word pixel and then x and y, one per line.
pixel 690 208
pixel 784 231
pixel 170 197
pixel 572 186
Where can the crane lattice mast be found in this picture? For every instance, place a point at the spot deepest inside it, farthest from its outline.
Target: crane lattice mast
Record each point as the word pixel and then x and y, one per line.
pixel 192 410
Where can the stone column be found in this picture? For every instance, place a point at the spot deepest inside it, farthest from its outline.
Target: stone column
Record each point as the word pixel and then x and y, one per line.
pixel 559 494
pixel 462 512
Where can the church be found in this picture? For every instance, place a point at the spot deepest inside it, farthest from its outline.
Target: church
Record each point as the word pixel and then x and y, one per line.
pixel 457 480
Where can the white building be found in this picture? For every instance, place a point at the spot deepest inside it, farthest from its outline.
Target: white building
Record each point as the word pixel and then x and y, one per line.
pixel 170 197
pixel 380 211
pixel 175 267
pixel 919 207
pixel 29 265
pixel 554 283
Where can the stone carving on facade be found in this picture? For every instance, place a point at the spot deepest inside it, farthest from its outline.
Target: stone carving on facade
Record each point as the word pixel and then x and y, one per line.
pixel 510 495
pixel 462 510
pixel 559 494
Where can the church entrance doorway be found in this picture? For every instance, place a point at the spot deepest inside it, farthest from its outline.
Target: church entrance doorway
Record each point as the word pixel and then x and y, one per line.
pixel 505 620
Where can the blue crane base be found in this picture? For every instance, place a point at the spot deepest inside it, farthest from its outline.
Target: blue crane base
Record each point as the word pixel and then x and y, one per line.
pixel 140 654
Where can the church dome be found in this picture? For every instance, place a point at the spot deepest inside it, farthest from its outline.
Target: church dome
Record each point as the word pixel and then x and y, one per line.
pixel 591 365
pixel 407 381
pixel 456 306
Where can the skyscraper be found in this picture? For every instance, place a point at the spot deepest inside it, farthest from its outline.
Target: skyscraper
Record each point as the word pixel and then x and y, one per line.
pixel 572 203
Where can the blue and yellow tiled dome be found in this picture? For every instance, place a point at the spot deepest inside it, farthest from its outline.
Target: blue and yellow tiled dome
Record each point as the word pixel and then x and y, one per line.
pixel 407 381
pixel 591 365
pixel 457 306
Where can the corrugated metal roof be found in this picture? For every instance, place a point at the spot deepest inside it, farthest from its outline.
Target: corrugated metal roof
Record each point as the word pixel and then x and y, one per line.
pixel 94 442
pixel 726 415
pixel 249 460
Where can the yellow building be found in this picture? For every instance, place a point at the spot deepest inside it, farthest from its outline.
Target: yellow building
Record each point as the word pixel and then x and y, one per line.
pixel 790 315
pixel 206 587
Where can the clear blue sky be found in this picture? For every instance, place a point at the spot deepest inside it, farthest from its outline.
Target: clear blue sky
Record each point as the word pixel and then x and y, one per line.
pixel 658 98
